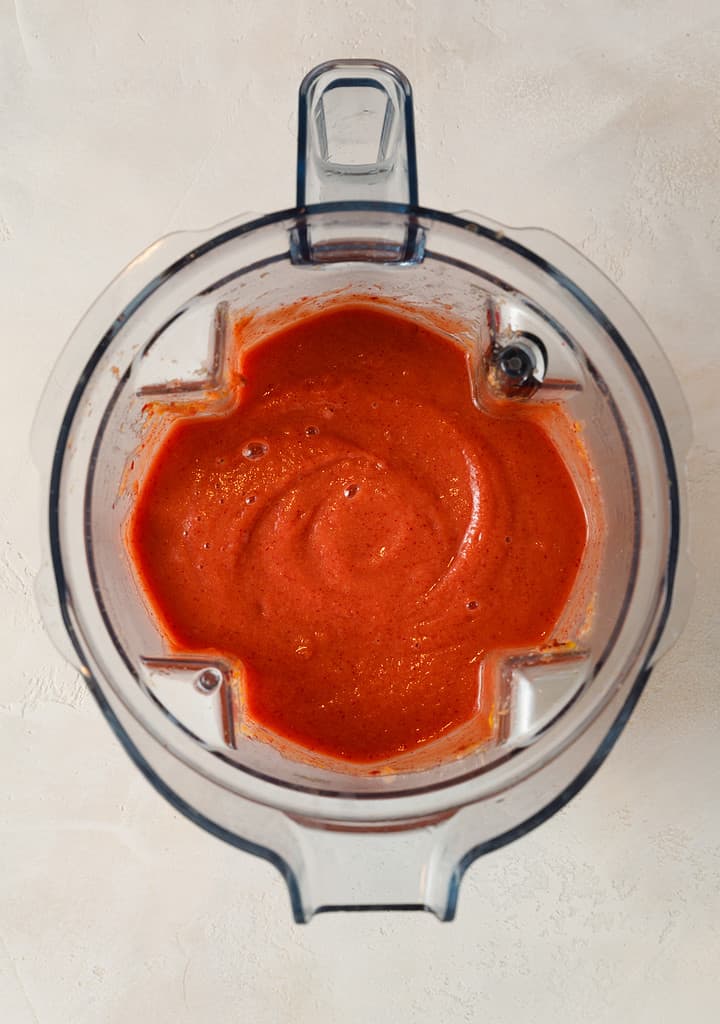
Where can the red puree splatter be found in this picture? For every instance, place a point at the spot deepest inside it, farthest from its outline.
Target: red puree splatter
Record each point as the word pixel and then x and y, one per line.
pixel 358 534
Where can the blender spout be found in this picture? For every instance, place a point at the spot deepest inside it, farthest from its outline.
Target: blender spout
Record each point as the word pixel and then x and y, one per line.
pixel 405 869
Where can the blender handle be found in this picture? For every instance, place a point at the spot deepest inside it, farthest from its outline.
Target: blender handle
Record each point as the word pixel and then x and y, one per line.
pixel 356 135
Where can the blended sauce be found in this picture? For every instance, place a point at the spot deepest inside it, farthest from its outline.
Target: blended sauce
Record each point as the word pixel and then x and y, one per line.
pixel 358 535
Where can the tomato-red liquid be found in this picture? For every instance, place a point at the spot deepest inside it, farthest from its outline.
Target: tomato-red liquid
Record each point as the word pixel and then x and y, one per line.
pixel 358 534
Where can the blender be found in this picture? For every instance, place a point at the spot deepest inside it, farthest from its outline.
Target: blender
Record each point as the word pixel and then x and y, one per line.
pixel 539 323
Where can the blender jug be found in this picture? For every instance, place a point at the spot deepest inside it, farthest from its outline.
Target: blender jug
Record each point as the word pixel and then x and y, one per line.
pixel 539 323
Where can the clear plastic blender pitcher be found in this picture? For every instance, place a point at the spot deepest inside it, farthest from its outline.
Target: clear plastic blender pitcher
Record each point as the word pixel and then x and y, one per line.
pixel 539 323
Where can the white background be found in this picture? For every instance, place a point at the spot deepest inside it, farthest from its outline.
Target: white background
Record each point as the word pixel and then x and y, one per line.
pixel 122 121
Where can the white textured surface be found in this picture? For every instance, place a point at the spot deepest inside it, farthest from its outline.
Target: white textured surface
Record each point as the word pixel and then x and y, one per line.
pixel 121 121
